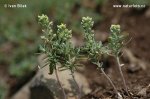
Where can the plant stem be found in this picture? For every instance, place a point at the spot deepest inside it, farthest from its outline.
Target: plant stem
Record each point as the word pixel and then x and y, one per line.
pixel 63 91
pixel 108 78
pixel 79 91
pixel 124 82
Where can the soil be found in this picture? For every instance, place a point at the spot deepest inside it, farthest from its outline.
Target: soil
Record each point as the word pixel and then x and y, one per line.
pixel 16 83
pixel 136 23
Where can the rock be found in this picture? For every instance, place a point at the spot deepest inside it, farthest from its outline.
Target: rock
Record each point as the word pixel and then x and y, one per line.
pixel 45 85
pixel 136 64
pixel 143 91
pixel 66 81
pixel 40 92
pixel 23 93
pixel 147 13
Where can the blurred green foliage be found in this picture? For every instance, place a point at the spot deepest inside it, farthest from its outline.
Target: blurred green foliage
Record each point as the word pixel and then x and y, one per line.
pixel 2 92
pixel 24 67
pixel 140 2
pixel 19 31
pixel 71 12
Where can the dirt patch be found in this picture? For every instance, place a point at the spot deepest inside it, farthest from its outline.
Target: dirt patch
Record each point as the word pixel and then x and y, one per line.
pixel 135 23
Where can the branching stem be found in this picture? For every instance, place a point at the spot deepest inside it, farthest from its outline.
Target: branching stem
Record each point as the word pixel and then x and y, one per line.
pixel 110 81
pixel 63 91
pixel 108 78
pixel 122 76
pixel 120 70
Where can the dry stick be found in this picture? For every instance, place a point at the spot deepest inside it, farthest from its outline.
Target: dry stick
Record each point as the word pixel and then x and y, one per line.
pixel 79 91
pixel 124 82
pixel 108 78
pixel 65 97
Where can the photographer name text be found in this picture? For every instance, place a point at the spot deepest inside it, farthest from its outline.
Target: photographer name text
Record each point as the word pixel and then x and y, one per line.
pixel 15 5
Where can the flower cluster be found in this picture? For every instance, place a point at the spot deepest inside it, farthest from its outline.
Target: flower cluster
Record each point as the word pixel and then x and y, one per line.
pixel 93 48
pixel 116 40
pixel 57 45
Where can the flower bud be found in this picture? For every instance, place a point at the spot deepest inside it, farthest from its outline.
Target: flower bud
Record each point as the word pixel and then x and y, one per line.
pixel 115 28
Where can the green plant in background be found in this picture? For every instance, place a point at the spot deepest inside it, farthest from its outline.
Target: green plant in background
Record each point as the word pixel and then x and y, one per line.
pixel 23 68
pixel 18 37
pixel 139 2
pixel 2 91
pixel 94 49
pixel 58 48
pixel 76 9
